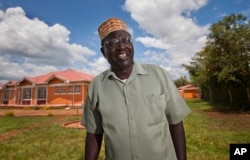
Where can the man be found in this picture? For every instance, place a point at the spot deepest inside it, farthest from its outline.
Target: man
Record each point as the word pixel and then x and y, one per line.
pixel 135 106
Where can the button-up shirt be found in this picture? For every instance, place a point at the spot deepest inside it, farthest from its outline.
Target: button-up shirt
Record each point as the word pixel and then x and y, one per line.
pixel 135 115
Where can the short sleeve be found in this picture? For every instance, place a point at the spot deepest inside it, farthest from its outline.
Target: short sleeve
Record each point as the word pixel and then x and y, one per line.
pixel 177 108
pixel 91 118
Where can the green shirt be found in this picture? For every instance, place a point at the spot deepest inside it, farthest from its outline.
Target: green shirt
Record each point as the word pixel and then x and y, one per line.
pixel 135 116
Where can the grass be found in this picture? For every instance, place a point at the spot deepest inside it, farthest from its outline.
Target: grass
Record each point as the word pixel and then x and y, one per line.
pixel 9 123
pixel 50 141
pixel 208 138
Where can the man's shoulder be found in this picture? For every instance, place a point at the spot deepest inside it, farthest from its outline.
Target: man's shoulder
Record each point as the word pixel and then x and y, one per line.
pixel 155 71
pixel 100 76
pixel 151 67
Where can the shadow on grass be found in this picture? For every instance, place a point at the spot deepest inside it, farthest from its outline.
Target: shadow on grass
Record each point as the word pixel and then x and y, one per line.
pixel 227 109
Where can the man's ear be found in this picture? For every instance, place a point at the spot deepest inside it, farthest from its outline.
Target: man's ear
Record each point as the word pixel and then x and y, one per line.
pixel 102 50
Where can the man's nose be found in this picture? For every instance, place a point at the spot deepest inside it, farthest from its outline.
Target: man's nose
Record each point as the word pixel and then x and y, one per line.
pixel 120 45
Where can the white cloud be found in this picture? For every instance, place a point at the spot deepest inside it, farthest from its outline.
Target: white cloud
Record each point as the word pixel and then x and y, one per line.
pixel 153 42
pixel 97 66
pixel 178 35
pixel 38 48
pixel 16 71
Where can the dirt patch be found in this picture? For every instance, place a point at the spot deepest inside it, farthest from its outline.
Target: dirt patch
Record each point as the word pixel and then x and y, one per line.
pixel 41 112
pixel 74 124
pixel 57 113
pixel 13 133
pixel 241 120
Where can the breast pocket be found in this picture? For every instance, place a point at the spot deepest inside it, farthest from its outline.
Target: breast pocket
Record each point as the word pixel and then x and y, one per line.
pixel 155 107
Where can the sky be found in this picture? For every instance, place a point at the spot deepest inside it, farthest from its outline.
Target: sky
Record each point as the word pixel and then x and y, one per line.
pixel 39 36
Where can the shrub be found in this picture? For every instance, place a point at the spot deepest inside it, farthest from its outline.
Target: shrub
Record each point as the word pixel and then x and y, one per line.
pixel 26 107
pixel 50 114
pixel 36 107
pixel 46 107
pixel 10 114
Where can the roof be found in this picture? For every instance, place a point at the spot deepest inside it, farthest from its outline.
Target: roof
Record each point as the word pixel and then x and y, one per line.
pixel 1 85
pixel 8 84
pixel 68 75
pixel 188 87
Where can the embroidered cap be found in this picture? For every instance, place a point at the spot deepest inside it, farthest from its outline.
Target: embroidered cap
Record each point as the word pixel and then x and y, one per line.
pixel 110 25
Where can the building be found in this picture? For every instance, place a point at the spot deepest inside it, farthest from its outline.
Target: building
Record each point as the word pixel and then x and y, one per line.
pixel 59 88
pixel 189 91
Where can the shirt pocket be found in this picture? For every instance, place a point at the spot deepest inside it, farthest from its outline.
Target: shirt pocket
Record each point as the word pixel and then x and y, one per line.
pixel 155 108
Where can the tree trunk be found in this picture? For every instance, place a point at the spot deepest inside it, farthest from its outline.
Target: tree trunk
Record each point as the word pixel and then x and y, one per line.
pixel 210 95
pixel 248 95
pixel 230 96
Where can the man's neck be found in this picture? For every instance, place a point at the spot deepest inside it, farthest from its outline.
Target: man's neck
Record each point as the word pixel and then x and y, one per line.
pixel 123 74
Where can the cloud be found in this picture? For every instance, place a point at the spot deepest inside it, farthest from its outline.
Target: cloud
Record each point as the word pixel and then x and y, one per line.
pixel 31 47
pixel 15 71
pixel 170 27
pixel 97 66
pixel 153 42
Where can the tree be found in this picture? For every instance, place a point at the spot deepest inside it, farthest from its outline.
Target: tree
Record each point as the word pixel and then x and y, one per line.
pixel 229 42
pixel 182 81
pixel 225 60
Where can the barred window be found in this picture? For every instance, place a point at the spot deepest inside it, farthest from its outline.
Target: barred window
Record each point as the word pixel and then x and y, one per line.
pixel 57 90
pixel 6 95
pixel 27 93
pixel 71 89
pixel 78 89
pixel 41 93
pixel 63 89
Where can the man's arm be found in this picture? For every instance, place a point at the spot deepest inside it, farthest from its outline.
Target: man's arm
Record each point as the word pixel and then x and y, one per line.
pixel 179 140
pixel 93 145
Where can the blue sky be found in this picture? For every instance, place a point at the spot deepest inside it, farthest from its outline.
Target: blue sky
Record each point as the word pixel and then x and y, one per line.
pixel 40 36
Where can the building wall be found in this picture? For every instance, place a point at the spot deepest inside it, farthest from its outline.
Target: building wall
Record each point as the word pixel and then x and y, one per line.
pixel 53 99
pixel 11 90
pixel 190 94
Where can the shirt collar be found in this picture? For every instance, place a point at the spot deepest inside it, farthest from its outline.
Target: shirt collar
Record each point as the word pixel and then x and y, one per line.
pixel 138 69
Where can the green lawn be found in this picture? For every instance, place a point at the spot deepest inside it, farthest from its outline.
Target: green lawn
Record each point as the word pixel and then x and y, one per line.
pixel 208 137
pixel 42 138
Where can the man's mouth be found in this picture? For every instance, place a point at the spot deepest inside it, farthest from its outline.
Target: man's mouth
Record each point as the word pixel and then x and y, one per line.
pixel 123 56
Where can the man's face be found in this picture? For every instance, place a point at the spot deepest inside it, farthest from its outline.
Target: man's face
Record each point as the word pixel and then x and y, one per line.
pixel 118 49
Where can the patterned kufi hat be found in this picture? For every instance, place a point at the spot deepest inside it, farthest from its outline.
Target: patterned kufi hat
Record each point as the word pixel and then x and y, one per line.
pixel 110 25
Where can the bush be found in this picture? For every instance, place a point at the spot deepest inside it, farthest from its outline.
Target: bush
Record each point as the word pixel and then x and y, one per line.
pixel 46 107
pixel 10 114
pixel 50 114
pixel 36 107
pixel 26 107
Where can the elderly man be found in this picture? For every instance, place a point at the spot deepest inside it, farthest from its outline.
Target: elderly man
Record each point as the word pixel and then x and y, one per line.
pixel 135 106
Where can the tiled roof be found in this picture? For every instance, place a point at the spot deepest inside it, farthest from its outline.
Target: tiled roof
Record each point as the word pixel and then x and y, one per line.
pixel 69 75
pixel 188 87
pixel 1 85
pixel 9 83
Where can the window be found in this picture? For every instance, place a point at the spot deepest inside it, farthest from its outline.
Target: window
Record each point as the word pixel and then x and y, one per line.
pixel 78 89
pixel 26 93
pixel 57 90
pixel 63 89
pixel 6 95
pixel 71 89
pixel 41 93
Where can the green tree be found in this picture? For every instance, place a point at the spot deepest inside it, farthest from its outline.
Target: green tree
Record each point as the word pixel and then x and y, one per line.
pixel 225 60
pixel 182 81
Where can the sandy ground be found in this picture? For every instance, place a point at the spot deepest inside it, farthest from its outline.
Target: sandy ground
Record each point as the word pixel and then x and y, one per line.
pixel 41 112
pixel 48 112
